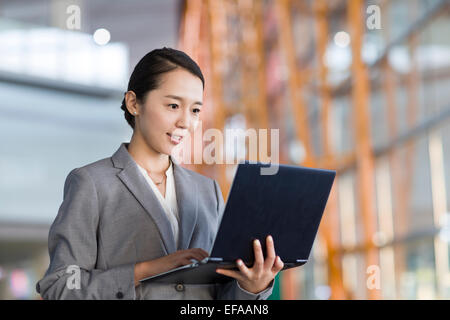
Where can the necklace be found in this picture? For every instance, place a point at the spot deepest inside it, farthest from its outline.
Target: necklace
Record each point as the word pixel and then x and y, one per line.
pixel 157 183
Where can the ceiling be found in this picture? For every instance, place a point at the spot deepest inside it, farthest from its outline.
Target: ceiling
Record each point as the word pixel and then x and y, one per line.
pixel 142 24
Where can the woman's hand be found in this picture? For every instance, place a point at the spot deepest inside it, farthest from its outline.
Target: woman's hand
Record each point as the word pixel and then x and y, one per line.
pixel 258 277
pixel 183 257
pixel 174 260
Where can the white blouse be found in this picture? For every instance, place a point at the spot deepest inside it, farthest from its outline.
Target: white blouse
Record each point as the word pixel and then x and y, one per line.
pixel 169 202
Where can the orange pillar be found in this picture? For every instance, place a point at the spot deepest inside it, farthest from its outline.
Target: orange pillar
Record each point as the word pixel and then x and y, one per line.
pixel 363 143
pixel 328 230
pixel 218 37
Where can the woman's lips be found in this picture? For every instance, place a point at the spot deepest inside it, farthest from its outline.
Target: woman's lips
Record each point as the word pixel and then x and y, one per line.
pixel 175 139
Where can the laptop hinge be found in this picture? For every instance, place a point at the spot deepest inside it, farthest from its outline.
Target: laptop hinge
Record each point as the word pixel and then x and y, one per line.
pixel 216 259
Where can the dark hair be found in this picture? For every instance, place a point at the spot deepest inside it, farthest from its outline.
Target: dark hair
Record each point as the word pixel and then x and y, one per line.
pixel 147 73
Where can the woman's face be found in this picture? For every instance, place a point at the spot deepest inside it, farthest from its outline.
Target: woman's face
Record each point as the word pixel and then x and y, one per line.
pixel 171 111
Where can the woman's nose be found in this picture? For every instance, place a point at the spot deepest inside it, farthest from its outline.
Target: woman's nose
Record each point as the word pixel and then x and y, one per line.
pixel 184 120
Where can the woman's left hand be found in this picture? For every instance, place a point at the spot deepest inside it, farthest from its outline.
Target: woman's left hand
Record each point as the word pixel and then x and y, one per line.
pixel 258 277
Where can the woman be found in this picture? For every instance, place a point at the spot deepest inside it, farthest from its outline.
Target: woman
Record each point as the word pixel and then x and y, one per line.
pixel 139 213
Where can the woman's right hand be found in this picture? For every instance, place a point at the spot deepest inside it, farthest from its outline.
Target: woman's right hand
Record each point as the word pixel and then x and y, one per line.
pixel 171 261
pixel 183 257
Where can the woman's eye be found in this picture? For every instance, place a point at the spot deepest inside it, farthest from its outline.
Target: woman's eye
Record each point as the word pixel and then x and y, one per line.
pixel 172 105
pixel 196 110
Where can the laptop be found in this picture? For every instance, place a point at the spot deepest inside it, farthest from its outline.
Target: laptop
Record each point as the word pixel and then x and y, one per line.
pixel 287 205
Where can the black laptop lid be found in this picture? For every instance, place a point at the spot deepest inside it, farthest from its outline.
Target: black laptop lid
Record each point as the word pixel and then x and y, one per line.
pixel 287 205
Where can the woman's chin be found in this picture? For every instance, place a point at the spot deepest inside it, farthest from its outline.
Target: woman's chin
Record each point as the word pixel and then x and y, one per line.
pixel 175 151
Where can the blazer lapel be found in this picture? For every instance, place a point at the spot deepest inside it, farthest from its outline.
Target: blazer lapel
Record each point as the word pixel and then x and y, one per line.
pixel 139 187
pixel 187 198
pixel 186 194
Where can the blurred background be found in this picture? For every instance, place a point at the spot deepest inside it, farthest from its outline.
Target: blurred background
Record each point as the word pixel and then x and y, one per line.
pixel 361 87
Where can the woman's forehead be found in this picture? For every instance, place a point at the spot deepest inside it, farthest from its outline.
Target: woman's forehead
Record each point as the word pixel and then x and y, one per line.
pixel 182 84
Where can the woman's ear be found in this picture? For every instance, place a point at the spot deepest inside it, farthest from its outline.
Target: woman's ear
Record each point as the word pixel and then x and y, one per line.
pixel 131 102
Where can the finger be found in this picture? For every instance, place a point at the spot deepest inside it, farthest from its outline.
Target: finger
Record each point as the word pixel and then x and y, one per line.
pixel 202 252
pixel 230 273
pixel 243 268
pixel 278 266
pixel 259 258
pixel 197 254
pixel 270 258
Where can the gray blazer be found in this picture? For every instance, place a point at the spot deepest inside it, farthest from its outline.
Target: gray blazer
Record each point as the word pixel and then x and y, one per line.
pixel 110 219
